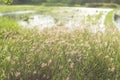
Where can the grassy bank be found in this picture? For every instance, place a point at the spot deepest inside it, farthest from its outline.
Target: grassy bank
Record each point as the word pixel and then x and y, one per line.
pixel 109 19
pixel 41 9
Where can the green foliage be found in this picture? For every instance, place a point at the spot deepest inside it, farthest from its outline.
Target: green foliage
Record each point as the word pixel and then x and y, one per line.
pixel 7 1
pixel 6 23
pixel 110 5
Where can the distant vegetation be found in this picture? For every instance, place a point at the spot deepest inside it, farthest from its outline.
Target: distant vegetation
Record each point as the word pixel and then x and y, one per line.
pixel 62 2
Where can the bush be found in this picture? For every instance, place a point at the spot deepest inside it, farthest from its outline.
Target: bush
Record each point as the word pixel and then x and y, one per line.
pixel 109 5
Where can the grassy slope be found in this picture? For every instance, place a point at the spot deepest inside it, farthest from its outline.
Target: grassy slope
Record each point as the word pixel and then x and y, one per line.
pixel 109 19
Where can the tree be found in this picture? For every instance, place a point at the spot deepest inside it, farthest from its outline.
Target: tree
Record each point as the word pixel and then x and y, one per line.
pixel 69 2
pixel 7 1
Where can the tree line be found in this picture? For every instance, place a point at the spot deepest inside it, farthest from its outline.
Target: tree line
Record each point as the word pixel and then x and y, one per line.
pixel 70 2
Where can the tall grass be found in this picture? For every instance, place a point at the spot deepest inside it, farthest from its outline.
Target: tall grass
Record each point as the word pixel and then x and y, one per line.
pixel 57 54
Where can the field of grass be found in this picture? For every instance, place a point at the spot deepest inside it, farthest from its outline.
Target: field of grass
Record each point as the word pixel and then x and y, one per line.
pixel 57 53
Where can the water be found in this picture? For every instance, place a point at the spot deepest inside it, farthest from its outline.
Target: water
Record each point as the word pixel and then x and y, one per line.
pixel 70 17
pixel 38 21
pixel 81 17
pixel 117 21
pixel 17 12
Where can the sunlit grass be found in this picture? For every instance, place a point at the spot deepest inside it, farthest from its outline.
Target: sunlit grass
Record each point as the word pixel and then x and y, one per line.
pixel 109 20
pixel 6 23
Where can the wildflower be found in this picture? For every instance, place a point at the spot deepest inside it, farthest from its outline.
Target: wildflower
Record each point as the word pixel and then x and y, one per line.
pixel 34 72
pixel 75 52
pixel 8 58
pixel 107 57
pixel 99 54
pixel 60 67
pixel 106 44
pixel 112 69
pixel 49 62
pixel 72 65
pixel 17 74
pixel 6 48
pixel 69 60
pixel 43 65
pixel 44 76
pixel 67 78
pixel 47 76
pixel 13 62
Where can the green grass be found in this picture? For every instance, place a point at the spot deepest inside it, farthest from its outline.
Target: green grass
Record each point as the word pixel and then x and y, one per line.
pixel 9 24
pixel 9 8
pixel 109 19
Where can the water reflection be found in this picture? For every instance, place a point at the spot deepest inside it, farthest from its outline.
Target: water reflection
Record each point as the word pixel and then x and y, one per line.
pixel 39 21
pixel 117 21
pixel 71 18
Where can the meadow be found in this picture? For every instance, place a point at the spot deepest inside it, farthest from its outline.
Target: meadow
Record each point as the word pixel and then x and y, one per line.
pixel 57 53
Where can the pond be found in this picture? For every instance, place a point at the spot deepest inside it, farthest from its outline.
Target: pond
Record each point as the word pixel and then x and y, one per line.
pixel 17 12
pixel 38 21
pixel 70 17
pixel 117 20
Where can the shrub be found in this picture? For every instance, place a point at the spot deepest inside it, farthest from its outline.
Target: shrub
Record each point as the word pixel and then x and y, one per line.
pixel 109 5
